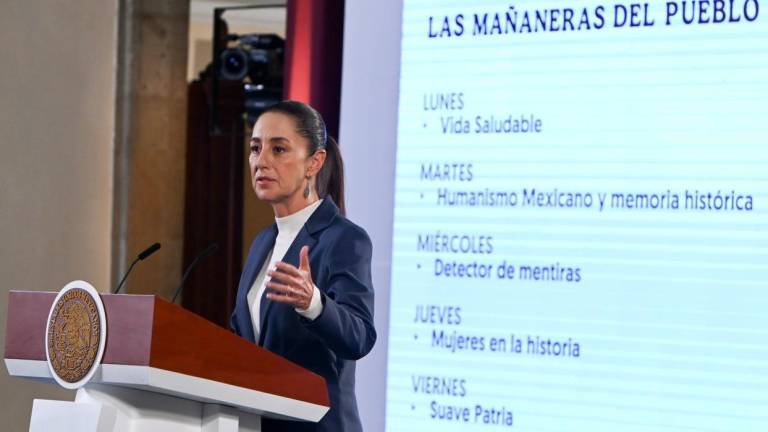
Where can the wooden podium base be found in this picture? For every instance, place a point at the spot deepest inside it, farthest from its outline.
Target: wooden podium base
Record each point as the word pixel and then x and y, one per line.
pixel 107 408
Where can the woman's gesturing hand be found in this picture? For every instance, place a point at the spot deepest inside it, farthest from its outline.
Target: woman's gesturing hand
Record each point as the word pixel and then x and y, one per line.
pixel 291 285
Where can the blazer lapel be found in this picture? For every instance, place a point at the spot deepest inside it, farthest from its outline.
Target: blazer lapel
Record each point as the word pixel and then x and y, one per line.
pixel 253 265
pixel 291 257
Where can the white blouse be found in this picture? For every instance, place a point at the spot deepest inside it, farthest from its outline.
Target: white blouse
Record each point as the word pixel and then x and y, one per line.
pixel 287 229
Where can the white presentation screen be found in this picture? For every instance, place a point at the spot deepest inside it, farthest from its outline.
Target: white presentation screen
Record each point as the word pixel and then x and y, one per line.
pixel 580 233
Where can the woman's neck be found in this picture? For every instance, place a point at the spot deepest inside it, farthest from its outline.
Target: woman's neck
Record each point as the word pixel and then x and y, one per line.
pixel 296 203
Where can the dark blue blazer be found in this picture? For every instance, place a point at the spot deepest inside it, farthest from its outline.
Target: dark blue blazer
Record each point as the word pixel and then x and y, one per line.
pixel 340 260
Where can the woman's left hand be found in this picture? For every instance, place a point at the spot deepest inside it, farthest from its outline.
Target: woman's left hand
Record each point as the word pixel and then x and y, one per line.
pixel 291 285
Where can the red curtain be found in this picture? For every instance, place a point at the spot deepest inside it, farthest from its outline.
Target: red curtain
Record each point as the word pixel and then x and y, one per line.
pixel 315 33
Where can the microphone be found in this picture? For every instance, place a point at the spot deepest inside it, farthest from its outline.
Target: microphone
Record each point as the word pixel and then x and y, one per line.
pixel 142 256
pixel 213 247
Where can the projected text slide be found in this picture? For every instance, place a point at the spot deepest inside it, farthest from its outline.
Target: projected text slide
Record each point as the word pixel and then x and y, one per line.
pixel 581 236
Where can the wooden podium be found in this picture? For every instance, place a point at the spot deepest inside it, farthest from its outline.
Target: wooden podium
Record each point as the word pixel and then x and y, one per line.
pixel 163 368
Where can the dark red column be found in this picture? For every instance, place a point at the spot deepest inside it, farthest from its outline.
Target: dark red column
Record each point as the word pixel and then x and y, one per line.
pixel 314 37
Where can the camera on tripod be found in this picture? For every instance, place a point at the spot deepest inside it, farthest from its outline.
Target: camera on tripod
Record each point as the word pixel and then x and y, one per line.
pixel 256 59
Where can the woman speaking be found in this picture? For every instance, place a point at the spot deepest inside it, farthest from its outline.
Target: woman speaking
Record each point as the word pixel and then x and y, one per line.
pixel 306 291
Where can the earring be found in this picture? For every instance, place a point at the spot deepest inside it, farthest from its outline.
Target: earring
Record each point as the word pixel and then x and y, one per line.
pixel 306 190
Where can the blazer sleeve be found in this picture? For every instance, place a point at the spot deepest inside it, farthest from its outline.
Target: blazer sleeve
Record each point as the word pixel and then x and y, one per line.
pixel 346 323
pixel 233 323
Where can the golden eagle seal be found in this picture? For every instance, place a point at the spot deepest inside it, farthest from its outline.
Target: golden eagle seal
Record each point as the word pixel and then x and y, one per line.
pixel 74 335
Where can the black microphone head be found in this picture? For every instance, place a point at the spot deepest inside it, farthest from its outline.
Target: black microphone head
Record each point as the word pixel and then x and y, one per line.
pixel 211 249
pixel 149 251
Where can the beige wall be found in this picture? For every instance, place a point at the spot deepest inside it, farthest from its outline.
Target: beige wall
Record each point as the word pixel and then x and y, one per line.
pixel 56 140
pixel 154 148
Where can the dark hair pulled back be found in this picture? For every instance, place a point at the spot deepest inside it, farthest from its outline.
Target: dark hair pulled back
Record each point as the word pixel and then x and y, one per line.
pixel 310 125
